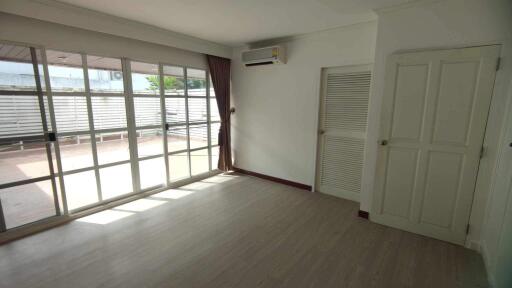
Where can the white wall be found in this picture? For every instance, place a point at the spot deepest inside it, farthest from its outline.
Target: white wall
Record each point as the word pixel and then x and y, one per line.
pixel 69 15
pixel 496 240
pixel 50 35
pixel 447 24
pixel 275 124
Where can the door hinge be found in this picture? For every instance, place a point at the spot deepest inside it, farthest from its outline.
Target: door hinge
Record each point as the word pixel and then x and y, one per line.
pixel 482 152
pixel 498 64
pixel 467 229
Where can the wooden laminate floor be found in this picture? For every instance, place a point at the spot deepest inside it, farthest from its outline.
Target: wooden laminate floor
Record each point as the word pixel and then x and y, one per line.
pixel 235 231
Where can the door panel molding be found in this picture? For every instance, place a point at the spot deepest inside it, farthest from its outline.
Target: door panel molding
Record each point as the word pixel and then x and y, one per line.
pixel 455 95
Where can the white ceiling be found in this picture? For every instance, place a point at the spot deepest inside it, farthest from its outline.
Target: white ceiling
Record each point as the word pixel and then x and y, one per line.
pixel 237 22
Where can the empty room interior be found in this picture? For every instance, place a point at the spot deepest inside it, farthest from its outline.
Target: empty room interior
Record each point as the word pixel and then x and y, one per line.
pixel 245 143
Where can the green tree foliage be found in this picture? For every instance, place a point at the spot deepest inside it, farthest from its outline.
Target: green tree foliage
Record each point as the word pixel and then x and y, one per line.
pixel 170 82
pixel 195 83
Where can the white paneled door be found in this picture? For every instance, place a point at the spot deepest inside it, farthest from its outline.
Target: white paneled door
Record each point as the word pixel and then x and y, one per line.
pixel 433 122
pixel 342 130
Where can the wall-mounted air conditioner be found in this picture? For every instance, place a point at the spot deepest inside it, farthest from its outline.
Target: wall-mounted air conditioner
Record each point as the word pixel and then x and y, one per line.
pixel 264 56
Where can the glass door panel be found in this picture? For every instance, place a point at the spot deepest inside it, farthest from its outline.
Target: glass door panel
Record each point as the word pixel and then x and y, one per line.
pixel 199 161
pixel 145 79
pixel 24 204
pixel 176 115
pixel 178 166
pixel 215 157
pixel 109 112
pixel 147 111
pixel 75 152
pixel 149 142
pixel 74 139
pixel 27 187
pixel 23 160
pixel 71 113
pixel 19 114
pixel 81 189
pixel 196 82
pixel 197 110
pixel 198 120
pixel 177 139
pixel 148 124
pixel 116 181
pixel 112 147
pixel 174 81
pixel 105 74
pixel 152 172
pixel 108 100
pixel 198 136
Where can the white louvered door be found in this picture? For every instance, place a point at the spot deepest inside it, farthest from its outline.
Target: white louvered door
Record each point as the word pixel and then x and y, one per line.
pixel 342 130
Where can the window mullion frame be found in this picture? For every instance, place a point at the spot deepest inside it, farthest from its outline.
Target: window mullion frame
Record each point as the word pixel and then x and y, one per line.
pixel 44 122
pixel 208 114
pixel 164 122
pixel 130 124
pixel 187 121
pixel 56 145
pixel 92 132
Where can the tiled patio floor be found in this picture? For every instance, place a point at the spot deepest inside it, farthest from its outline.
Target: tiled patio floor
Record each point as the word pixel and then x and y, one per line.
pixel 31 202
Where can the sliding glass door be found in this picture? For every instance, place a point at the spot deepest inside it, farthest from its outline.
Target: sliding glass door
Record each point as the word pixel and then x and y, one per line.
pixel 149 133
pixel 197 99
pixel 176 117
pixel 96 129
pixel 74 133
pixel 28 190
pixel 188 121
pixel 109 109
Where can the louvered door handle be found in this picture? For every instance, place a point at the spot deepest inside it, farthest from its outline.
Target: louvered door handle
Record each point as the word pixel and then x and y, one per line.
pixel 321 132
pixel 384 142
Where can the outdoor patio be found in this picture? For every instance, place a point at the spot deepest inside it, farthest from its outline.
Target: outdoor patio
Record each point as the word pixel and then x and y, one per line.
pixel 31 202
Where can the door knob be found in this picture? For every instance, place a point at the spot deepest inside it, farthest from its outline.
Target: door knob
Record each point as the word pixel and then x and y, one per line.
pixel 321 132
pixel 384 142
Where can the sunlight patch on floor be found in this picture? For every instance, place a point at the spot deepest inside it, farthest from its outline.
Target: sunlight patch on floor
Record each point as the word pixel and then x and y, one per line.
pixel 105 217
pixel 219 179
pixel 140 205
pixel 196 186
pixel 173 194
